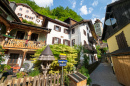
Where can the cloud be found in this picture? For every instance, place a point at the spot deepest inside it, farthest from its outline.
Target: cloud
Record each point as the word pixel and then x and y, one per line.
pixel 44 3
pixel 74 4
pixel 81 2
pixel 84 10
pixel 94 17
pixel 102 19
pixel 95 3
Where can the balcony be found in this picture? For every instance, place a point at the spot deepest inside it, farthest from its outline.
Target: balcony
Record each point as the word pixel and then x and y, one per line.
pixel 88 47
pixel 22 44
pixel 91 40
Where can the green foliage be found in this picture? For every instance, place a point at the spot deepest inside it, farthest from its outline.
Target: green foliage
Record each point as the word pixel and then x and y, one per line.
pixel 104 41
pixel 66 80
pixel 98 51
pixel 84 71
pixel 60 12
pixel 21 74
pixel 4 68
pixel 86 61
pixel 1 54
pixel 34 73
pixel 105 49
pixel 57 49
pixel 29 22
pixel 79 49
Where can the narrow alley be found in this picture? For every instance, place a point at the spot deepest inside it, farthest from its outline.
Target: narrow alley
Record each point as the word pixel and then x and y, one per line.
pixel 103 76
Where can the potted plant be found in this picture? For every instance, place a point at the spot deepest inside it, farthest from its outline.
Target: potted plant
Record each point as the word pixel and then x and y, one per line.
pixel 4 68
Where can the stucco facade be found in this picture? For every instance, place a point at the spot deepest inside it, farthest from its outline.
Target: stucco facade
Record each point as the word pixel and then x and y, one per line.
pixel 112 43
pixel 26 13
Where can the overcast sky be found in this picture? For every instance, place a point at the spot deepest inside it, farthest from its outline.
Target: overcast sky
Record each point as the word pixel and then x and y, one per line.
pixel 88 9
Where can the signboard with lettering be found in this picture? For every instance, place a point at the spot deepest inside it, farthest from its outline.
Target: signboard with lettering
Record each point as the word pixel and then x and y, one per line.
pixel 62 62
pixel 62 56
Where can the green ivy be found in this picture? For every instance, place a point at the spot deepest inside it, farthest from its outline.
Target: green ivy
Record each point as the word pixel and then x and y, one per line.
pixel 57 49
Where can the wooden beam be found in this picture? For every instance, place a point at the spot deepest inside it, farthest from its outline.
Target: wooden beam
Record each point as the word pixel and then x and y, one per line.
pixel 24 54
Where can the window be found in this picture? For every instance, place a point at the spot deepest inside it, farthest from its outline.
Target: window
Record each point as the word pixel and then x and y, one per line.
pixel 20 9
pixel 84 42
pixel 57 28
pixel 27 11
pixel 84 32
pixel 73 42
pixel 73 31
pixel 121 40
pixel 56 40
pixel 26 16
pixel 66 31
pixel 29 56
pixel 19 14
pixel 34 37
pixel 31 18
pixel 38 20
pixel 66 42
pixel 13 59
pixel 20 34
pixel 87 28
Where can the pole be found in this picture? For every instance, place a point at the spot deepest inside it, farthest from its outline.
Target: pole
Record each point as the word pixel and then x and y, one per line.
pixel 62 77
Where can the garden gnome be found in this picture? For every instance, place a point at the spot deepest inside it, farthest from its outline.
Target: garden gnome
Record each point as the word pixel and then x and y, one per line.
pixel 46 57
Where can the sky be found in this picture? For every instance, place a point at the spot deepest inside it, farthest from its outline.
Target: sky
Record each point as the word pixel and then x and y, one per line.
pixel 87 9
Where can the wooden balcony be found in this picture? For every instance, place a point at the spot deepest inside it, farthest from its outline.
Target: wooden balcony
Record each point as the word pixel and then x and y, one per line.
pixel 22 44
pixel 88 47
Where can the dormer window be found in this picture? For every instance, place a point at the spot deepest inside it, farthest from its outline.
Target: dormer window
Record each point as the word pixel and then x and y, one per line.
pixel 27 11
pixel 57 28
pixel 20 9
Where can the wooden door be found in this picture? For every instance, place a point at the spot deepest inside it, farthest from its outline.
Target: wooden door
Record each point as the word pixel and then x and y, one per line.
pixel 13 59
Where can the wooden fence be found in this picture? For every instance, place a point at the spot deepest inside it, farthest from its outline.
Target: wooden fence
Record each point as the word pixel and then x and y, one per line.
pixel 122 69
pixel 41 80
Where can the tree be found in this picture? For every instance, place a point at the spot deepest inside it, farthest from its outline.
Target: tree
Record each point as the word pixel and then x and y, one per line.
pixel 57 49
pixel 60 12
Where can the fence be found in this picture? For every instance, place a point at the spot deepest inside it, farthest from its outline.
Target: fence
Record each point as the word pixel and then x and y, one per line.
pixel 122 69
pixel 41 80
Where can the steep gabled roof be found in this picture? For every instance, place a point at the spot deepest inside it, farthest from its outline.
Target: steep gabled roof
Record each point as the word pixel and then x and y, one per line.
pixel 5 3
pixel 109 10
pixel 90 25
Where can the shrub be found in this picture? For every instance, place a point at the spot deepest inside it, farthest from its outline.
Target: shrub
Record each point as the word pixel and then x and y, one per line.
pixel 4 68
pixel 21 74
pixel 34 73
pixel 84 71
pixel 29 22
pixel 57 49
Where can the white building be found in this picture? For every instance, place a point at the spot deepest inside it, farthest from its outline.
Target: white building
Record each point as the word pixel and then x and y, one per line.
pixel 98 27
pixel 24 11
pixel 69 32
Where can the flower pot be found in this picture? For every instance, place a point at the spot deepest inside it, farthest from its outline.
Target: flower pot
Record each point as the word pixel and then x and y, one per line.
pixel 1 75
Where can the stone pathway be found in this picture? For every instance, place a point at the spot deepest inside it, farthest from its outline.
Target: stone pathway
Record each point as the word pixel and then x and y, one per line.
pixel 103 76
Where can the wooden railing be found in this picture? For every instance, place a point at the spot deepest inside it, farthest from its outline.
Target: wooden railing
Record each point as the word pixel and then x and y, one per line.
pixel 41 80
pixel 16 43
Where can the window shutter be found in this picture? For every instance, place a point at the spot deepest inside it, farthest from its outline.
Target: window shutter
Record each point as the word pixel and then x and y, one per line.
pixel 54 27
pixel 121 41
pixel 53 40
pixel 63 41
pixel 59 29
pixel 68 43
pixel 64 30
pixel 59 40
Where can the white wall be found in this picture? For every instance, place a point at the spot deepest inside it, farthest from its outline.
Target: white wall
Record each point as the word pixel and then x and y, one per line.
pixel 54 33
pixel 30 14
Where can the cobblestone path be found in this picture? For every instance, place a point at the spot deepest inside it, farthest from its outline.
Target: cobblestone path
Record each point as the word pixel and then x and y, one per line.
pixel 103 76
